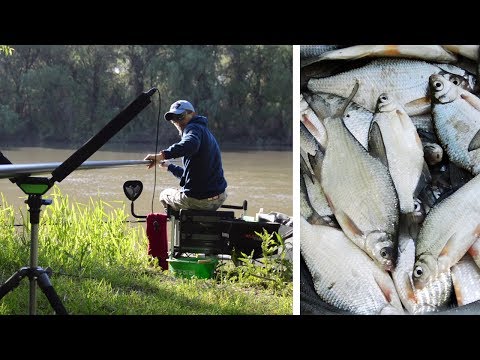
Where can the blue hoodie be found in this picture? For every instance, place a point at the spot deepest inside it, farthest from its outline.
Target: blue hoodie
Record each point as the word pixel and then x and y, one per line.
pixel 201 176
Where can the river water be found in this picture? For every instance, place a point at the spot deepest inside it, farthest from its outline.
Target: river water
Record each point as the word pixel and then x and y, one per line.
pixel 263 178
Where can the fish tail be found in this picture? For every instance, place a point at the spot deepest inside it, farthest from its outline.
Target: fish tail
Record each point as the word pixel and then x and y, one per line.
pixel 349 100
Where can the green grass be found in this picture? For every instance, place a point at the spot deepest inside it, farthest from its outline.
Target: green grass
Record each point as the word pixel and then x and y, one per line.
pixel 100 266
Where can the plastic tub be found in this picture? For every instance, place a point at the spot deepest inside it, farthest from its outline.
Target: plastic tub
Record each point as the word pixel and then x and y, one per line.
pixel 191 267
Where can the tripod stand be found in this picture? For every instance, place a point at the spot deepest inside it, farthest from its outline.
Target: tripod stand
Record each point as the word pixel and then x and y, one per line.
pixel 35 187
pixel 35 273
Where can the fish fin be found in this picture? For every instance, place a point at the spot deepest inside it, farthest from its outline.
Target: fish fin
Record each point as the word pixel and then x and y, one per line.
pixel 305 170
pixel 330 204
pixel 405 120
pixel 313 130
pixel 376 147
pixel 447 256
pixel 408 225
pixel 474 252
pixel 316 164
pixel 475 142
pixel 424 179
pixel 458 176
pixel 311 103
pixel 331 221
pixel 316 219
pixel 385 290
pixel 471 99
pixel 444 260
pixel 349 224
pixel 458 288
pixel 341 111
pixel 418 106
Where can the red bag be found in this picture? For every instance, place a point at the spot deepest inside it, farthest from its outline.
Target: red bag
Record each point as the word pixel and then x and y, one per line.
pixel 157 238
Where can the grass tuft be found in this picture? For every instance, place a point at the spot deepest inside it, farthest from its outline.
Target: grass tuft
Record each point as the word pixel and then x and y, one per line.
pixel 100 266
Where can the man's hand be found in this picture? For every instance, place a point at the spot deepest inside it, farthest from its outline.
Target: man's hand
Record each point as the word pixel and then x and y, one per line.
pixel 164 164
pixel 154 158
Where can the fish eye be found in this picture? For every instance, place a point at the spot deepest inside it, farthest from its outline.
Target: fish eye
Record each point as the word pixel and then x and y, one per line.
pixel 455 80
pixel 384 252
pixel 383 98
pixel 438 85
pixel 417 207
pixel 418 272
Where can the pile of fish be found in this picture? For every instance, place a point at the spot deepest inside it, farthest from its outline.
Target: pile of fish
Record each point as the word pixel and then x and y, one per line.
pixel 390 184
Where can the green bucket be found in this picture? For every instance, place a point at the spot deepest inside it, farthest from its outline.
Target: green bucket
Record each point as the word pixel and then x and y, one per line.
pixel 190 267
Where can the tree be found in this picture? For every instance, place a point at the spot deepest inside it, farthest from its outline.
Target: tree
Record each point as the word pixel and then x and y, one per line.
pixel 65 93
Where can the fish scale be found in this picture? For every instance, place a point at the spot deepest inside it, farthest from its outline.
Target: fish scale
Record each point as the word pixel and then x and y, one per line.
pixel 357 119
pixel 456 123
pixel 459 216
pixel 366 193
pixel 307 51
pixel 405 79
pixel 466 280
pixel 403 149
pixel 460 221
pixel 355 287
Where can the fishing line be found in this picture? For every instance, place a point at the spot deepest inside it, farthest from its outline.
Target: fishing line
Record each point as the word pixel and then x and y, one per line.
pixel 156 146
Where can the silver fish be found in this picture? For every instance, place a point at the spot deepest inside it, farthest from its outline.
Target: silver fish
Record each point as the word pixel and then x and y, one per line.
pixel 405 79
pixel 469 51
pixel 355 283
pixel 434 297
pixel 312 123
pixel 306 209
pixel 314 190
pixel 356 118
pixel 307 51
pixel 393 139
pixel 360 193
pixel 458 76
pixel 423 52
pixel 449 230
pixel 456 117
pixel 466 280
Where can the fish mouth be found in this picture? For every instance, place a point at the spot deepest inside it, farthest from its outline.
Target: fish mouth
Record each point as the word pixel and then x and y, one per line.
pixel 388 265
pixel 387 258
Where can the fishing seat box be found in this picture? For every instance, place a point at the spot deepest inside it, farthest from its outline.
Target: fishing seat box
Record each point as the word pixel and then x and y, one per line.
pixel 242 235
pixel 218 232
pixel 200 231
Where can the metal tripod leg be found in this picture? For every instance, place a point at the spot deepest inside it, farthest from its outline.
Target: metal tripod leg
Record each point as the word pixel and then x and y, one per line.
pixel 46 286
pixel 36 275
pixel 13 281
pixel 34 272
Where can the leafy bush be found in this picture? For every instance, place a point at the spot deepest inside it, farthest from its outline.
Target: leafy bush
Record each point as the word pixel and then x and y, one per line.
pixel 273 271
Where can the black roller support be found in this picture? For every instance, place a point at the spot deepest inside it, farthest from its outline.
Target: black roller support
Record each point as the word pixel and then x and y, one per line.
pixel 97 141
pixel 4 160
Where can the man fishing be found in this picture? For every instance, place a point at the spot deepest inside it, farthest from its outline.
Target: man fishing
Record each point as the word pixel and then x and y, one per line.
pixel 201 177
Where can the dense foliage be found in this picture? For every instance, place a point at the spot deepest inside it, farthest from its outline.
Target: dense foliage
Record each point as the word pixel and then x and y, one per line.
pixel 66 93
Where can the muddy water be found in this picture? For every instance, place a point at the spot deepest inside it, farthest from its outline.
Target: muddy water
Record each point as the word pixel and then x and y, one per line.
pixel 263 178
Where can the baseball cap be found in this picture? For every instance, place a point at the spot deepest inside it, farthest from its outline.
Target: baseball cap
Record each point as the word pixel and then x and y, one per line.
pixel 178 107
